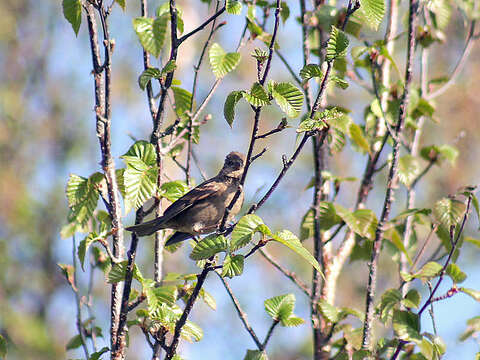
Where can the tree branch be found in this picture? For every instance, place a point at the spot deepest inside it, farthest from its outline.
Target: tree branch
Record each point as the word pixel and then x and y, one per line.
pixel 392 178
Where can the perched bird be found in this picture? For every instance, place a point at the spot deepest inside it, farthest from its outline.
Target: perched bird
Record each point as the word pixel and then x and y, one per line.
pixel 201 210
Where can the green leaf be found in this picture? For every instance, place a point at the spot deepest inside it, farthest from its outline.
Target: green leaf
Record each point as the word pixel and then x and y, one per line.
pixel 121 3
pixel 3 347
pixel 183 99
pixel 232 266
pixel 440 153
pixel 68 272
pixel 72 10
pixel 244 230
pixel 306 226
pixel 233 7
pixel 389 300
pixel 118 272
pixel 82 195
pixel 159 295
pixel 395 238
pixel 471 292
pixel 174 190
pixel 221 62
pixel 208 299
pixel 310 125
pixel 339 82
pixel 449 211
pixel 257 96
pixel 406 325
pixel 373 11
pixel 457 275
pixel 429 270
pixel 408 169
pixel 98 354
pixel 356 134
pixel 337 45
pixel 85 244
pixel 330 312
pixel 284 11
pixel 288 97
pixel 209 246
pixel 147 75
pixel 293 321
pixel 327 215
pixel 288 239
pixel 310 71
pixel 363 221
pixel 229 107
pixel 192 332
pixel 74 343
pixel 280 307
pixel 412 299
pixel 255 355
pixel 154 73
pixel 140 176
pixel 152 33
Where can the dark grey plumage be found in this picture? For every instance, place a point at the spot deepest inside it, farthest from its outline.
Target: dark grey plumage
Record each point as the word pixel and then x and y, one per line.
pixel 201 210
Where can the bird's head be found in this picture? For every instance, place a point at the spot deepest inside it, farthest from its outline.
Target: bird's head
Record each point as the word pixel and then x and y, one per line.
pixel 234 164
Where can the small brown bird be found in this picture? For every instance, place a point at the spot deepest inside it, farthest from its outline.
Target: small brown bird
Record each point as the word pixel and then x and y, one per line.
pixel 201 210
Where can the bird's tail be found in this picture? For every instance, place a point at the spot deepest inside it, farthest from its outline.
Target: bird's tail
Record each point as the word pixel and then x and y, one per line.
pixel 148 228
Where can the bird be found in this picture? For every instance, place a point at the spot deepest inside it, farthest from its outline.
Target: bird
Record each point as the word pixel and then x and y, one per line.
pixel 201 210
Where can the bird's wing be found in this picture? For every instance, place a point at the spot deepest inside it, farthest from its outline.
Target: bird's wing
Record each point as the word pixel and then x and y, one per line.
pixel 201 192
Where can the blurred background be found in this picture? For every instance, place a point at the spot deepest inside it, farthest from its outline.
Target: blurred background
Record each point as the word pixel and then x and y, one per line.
pixel 47 130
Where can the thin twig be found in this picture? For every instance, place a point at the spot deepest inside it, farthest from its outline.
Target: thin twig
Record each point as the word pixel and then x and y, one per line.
pixel 240 312
pixel 289 274
pixel 269 334
pixel 79 322
pixel 202 26
pixel 460 64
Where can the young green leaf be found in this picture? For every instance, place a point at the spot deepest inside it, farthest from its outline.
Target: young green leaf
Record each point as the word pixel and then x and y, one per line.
pixel 429 270
pixel 232 266
pixel 191 332
pixel 330 312
pixel 174 190
pixel 337 45
pixel 159 295
pixel 152 32
pixel 457 275
pixel 310 71
pixel 288 239
pixel 118 272
pixel 183 100
pixel 85 244
pixel 82 195
pixel 97 355
pixel 147 75
pixel 229 107
pixel 280 307
pixel 288 97
pixel 72 10
pixel 233 7
pixel 121 3
pixel 257 96
pixel 221 62
pixel 471 292
pixel 412 299
pixel 209 246
pixel 408 169
pixel 244 230
pixel 406 325
pixel 356 134
pixel 389 300
pixel 373 11
pixel 449 211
